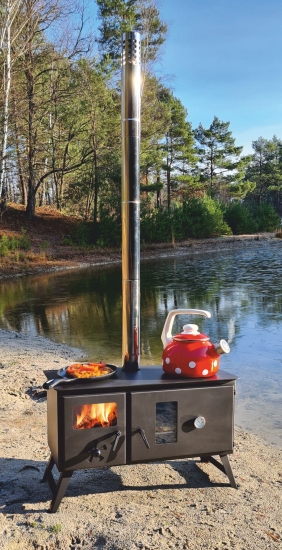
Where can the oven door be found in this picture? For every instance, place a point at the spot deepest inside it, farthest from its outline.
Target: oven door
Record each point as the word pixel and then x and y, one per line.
pixel 92 431
pixel 164 423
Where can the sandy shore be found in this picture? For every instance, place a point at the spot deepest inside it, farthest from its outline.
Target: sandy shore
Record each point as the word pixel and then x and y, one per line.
pixel 174 504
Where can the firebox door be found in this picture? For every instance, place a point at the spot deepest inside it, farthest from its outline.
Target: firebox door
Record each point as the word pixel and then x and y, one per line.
pixel 94 431
pixel 182 423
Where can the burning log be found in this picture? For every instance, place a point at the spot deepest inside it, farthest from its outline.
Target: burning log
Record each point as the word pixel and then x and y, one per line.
pixel 101 415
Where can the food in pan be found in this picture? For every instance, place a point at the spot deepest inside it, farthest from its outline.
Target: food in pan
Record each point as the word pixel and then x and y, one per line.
pixel 88 370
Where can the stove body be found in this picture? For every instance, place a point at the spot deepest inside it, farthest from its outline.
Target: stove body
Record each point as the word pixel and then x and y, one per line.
pixel 138 415
pixel 152 418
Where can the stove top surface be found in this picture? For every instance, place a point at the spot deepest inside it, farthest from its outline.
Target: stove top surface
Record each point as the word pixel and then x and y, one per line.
pixel 148 377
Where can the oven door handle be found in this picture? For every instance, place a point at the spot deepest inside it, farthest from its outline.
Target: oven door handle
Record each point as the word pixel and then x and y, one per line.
pixel 117 438
pixel 143 435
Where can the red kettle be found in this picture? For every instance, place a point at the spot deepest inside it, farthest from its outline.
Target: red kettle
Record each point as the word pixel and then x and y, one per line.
pixel 190 353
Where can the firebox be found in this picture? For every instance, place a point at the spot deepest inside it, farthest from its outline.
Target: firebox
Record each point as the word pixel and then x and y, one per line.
pixel 137 417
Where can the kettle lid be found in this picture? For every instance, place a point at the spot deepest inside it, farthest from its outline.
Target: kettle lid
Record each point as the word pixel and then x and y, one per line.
pixel 190 333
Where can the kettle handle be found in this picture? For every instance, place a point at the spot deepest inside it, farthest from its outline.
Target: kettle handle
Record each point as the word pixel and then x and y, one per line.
pixel 166 333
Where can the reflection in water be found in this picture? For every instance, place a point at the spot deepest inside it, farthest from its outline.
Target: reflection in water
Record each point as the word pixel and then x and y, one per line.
pixel 242 290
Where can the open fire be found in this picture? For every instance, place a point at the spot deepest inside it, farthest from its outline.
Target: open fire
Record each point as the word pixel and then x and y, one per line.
pixel 100 415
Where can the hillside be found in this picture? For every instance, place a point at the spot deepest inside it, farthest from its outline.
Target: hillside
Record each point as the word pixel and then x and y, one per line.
pixel 46 233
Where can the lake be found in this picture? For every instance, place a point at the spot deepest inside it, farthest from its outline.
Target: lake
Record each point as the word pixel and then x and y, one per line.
pixel 241 288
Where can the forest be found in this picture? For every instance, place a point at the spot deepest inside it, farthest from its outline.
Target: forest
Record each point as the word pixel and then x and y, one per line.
pixel 60 131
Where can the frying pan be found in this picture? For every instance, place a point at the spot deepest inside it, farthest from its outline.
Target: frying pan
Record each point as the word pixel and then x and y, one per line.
pixel 65 378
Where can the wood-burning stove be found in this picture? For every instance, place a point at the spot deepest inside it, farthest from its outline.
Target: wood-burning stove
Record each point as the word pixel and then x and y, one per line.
pixel 150 417
pixel 138 415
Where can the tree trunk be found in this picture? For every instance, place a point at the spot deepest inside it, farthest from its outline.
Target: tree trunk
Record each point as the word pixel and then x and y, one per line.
pixel 168 188
pixel 260 181
pixel 19 158
pixel 7 85
pixel 30 209
pixel 96 187
pixel 158 202
pixel 168 165
pixel 211 172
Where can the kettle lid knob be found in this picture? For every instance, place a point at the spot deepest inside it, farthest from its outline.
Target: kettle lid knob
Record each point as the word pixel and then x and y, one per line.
pixel 190 329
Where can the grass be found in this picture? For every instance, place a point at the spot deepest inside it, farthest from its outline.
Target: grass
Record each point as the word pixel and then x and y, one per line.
pixel 43 250
pixel 56 528
pixel 18 249
pixel 12 245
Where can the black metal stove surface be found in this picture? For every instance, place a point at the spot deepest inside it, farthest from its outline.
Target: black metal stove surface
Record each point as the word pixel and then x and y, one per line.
pixel 149 378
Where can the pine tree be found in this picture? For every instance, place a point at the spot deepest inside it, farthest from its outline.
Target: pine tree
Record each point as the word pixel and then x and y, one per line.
pixel 155 120
pixel 119 16
pixel 178 148
pixel 218 153
pixel 265 170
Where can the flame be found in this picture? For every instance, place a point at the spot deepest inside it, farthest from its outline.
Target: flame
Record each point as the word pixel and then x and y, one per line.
pixel 98 415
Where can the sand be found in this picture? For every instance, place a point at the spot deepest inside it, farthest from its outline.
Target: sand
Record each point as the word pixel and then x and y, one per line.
pixel 172 504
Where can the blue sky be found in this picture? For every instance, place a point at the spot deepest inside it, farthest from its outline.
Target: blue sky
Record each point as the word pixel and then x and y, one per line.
pixel 225 57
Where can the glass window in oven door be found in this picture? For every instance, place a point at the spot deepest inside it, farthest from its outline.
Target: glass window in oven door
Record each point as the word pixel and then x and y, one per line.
pixel 166 422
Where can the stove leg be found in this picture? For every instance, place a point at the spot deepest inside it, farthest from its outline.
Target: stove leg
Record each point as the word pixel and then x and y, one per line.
pixel 228 470
pixel 60 490
pixel 48 470
pixel 225 467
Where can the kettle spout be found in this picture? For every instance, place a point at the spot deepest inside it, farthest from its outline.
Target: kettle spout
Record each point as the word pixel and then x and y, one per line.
pixel 222 347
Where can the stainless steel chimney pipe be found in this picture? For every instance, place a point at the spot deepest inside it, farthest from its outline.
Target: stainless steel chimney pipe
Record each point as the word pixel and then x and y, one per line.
pixel 130 114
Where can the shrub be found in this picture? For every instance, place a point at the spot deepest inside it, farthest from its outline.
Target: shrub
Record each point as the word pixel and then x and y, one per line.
pixel 251 218
pixel 196 218
pixel 157 226
pixel 240 218
pixel 8 244
pixel 107 232
pixel 81 236
pixel 204 218
pixel 108 229
pixel 4 250
pixel 23 241
pixel 266 217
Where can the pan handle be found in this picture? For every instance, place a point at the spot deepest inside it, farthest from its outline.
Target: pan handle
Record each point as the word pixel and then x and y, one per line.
pixel 52 383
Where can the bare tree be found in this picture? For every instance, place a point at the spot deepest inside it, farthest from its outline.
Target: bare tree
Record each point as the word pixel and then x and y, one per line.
pixel 39 60
pixel 10 13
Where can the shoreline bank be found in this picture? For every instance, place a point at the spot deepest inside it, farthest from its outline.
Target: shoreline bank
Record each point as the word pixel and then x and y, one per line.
pixel 103 257
pixel 173 504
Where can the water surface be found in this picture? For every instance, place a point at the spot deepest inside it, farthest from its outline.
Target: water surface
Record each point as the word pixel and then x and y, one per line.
pixel 241 288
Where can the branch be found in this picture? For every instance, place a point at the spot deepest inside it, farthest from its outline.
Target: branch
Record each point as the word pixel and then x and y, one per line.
pixel 65 170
